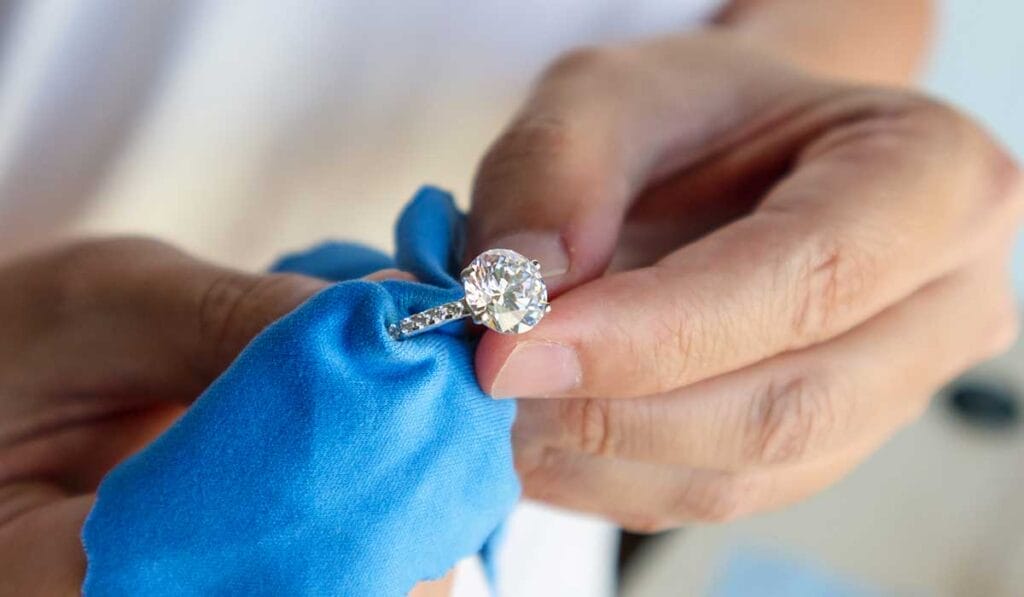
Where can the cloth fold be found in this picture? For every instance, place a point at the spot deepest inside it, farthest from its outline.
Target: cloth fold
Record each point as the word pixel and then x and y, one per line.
pixel 329 459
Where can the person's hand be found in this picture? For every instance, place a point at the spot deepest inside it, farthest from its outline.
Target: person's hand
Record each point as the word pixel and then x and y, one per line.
pixel 102 345
pixel 797 264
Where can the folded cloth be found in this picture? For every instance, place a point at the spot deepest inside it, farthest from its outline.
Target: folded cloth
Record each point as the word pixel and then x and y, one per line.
pixel 329 459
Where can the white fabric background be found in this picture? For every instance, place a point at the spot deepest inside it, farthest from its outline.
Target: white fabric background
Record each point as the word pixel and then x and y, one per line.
pixel 240 129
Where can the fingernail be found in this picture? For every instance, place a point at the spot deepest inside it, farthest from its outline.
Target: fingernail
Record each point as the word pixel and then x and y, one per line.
pixel 545 247
pixel 537 370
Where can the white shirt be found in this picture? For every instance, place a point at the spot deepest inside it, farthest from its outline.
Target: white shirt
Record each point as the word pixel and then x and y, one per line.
pixel 240 130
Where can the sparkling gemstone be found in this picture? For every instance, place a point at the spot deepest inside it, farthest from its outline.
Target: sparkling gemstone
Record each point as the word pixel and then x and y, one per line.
pixel 505 291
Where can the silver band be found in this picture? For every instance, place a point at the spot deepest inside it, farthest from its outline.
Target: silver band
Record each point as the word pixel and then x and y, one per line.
pixel 503 291
pixel 433 317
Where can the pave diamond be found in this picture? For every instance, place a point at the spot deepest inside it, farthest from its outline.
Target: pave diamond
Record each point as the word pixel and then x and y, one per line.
pixel 505 291
pixel 429 319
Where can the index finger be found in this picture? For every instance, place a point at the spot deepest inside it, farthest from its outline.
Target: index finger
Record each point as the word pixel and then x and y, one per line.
pixel 889 191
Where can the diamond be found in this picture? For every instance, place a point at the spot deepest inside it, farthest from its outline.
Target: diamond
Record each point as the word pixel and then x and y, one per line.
pixel 505 291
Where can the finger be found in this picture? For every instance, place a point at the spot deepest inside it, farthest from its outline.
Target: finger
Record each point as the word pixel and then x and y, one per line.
pixel 77 454
pixel 601 125
pixel 875 209
pixel 129 318
pixel 40 521
pixel 795 406
pixel 40 548
pixel 647 498
pixel 77 441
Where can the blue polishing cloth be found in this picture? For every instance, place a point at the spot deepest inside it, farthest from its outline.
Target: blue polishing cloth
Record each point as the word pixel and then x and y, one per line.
pixel 329 459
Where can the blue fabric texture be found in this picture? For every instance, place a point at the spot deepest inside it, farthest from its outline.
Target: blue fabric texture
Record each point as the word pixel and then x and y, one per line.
pixel 329 459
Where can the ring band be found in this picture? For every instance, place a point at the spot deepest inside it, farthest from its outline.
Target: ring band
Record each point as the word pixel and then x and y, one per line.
pixel 503 291
pixel 424 321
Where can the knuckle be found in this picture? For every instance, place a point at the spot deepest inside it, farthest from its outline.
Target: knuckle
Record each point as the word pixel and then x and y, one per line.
pixel 830 278
pixel 537 468
pixel 995 177
pixel 908 115
pixel 679 357
pixel 936 114
pixel 900 128
pixel 589 423
pixel 233 307
pixel 675 342
pixel 878 124
pixel 221 300
pixel 683 344
pixel 992 176
pixel 787 417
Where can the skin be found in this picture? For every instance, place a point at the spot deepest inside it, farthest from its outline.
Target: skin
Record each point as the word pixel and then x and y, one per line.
pixel 768 266
pixel 106 343
pixel 764 262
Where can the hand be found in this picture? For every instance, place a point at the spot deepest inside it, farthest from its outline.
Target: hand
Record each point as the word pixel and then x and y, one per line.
pixel 760 274
pixel 105 343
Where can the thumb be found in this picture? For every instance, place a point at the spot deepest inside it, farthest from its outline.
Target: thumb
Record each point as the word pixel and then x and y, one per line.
pixel 553 186
pixel 602 127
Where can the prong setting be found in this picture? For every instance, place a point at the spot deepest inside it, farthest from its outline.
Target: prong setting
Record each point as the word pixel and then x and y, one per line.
pixel 504 291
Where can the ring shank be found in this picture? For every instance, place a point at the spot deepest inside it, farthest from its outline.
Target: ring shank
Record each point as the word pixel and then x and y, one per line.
pixel 429 319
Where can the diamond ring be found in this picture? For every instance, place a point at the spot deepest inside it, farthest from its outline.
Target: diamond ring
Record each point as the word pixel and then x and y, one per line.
pixel 504 291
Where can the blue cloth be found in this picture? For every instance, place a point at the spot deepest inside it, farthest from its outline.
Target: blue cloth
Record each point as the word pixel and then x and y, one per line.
pixel 328 459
